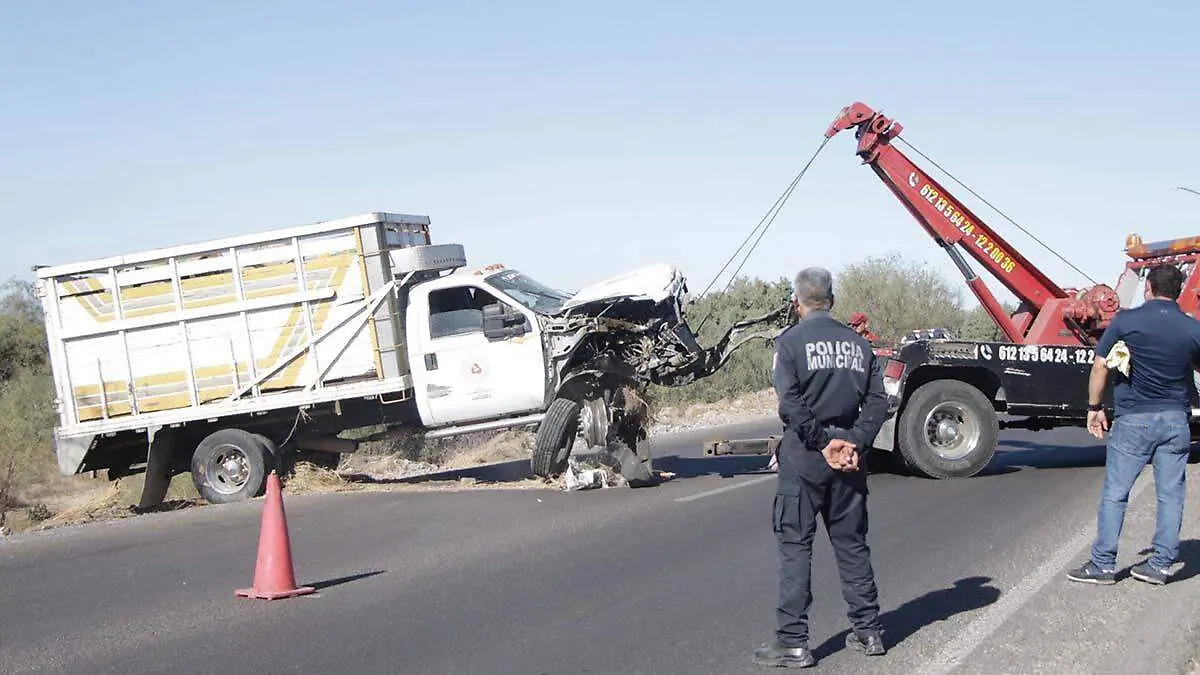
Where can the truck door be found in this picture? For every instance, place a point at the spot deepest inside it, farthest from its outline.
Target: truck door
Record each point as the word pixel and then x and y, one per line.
pixel 475 355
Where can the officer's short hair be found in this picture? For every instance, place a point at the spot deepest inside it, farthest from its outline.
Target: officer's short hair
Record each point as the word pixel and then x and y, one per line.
pixel 813 288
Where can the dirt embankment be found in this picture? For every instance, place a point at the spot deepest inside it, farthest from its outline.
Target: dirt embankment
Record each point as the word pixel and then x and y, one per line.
pixel 401 461
pixel 704 415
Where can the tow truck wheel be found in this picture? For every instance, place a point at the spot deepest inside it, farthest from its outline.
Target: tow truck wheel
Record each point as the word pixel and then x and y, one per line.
pixel 948 430
pixel 555 436
pixel 231 465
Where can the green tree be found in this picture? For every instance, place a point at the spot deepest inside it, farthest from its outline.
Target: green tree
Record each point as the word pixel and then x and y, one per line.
pixel 749 369
pixel 26 394
pixel 977 324
pixel 898 295
pixel 26 424
pixel 22 334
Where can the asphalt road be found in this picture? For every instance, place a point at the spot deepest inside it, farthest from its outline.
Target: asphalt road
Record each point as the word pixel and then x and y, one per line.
pixel 678 578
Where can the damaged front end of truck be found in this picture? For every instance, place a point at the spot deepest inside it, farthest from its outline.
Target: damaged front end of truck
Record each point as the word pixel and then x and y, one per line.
pixel 606 345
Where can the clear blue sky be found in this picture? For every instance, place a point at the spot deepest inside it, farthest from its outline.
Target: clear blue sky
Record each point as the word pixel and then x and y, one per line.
pixel 577 140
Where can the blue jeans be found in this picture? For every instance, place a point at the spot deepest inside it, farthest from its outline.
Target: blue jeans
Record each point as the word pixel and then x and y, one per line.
pixel 1161 438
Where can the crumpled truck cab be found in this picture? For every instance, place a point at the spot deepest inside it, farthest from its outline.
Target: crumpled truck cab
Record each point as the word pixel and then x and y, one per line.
pixel 580 359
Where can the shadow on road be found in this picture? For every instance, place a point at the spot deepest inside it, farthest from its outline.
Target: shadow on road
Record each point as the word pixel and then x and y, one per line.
pixel 725 466
pixel 902 622
pixel 328 583
pixel 519 470
pixel 1015 454
pixel 728 466
pixel 503 472
pixel 1189 555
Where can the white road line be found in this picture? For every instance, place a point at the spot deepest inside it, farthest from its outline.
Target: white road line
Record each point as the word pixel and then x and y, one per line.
pixel 956 651
pixel 727 488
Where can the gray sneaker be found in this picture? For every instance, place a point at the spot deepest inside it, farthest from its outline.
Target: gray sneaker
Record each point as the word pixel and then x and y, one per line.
pixel 867 642
pixel 1150 574
pixel 1090 573
pixel 779 656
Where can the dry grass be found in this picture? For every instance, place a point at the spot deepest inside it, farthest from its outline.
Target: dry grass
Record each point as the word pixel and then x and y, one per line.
pixel 460 485
pixel 309 478
pixel 504 446
pixel 384 467
pixel 480 447
pixel 108 505
pixel 118 499
pixel 44 501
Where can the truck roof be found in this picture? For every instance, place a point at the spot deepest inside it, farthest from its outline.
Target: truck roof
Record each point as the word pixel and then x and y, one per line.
pixel 215 244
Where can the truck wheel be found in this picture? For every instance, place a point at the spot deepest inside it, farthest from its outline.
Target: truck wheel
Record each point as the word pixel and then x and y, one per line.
pixel 555 436
pixel 231 465
pixel 948 430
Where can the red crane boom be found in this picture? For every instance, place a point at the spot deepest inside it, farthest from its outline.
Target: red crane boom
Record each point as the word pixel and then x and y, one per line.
pixel 1048 314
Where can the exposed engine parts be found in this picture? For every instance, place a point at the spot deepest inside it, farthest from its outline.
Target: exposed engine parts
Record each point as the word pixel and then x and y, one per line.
pixel 605 352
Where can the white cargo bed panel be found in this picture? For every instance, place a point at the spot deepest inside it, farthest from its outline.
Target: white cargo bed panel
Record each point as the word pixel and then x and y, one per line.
pixel 399 230
pixel 200 329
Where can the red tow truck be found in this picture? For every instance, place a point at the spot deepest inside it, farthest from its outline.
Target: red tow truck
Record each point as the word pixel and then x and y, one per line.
pixel 948 399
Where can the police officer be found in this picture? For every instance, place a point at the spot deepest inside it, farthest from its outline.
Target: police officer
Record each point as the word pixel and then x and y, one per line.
pixel 832 404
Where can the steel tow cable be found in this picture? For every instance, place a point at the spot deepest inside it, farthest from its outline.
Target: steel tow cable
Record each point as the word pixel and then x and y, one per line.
pixel 768 218
pixel 1002 214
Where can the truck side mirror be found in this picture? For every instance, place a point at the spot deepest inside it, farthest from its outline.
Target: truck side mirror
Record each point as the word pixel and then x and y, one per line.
pixel 501 322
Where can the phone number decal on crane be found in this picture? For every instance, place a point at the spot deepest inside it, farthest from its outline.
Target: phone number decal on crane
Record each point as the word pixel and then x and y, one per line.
pixel 1035 354
pixel 955 216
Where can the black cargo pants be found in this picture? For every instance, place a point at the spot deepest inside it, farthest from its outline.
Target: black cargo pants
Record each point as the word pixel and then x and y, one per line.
pixel 841 501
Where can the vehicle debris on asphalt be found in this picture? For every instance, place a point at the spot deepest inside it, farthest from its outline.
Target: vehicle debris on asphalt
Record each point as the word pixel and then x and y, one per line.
pixel 588 475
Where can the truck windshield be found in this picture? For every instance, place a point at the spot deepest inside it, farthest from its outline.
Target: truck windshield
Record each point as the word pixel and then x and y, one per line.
pixel 528 292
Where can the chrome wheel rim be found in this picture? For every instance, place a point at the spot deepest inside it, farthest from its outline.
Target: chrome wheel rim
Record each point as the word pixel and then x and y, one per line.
pixel 951 430
pixel 593 422
pixel 228 469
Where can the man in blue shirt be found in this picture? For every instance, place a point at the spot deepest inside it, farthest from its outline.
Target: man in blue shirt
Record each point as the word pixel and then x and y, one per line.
pixel 1152 406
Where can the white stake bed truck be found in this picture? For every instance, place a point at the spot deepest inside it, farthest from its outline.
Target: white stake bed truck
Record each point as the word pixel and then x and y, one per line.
pixel 220 357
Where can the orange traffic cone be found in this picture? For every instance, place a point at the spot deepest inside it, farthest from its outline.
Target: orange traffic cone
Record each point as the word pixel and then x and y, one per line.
pixel 274 576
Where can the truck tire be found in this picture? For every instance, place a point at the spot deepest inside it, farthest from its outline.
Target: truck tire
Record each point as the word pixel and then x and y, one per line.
pixel 231 465
pixel 948 430
pixel 555 436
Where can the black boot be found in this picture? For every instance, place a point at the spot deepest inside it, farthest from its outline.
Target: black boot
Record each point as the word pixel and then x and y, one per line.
pixel 867 642
pixel 779 656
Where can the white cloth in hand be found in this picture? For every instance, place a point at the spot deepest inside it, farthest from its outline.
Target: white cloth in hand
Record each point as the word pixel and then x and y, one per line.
pixel 1118 357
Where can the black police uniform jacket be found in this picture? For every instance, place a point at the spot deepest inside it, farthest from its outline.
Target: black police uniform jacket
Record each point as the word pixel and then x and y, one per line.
pixel 830 385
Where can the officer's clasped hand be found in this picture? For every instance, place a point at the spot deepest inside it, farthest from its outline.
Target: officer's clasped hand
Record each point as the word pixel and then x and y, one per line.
pixel 841 455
